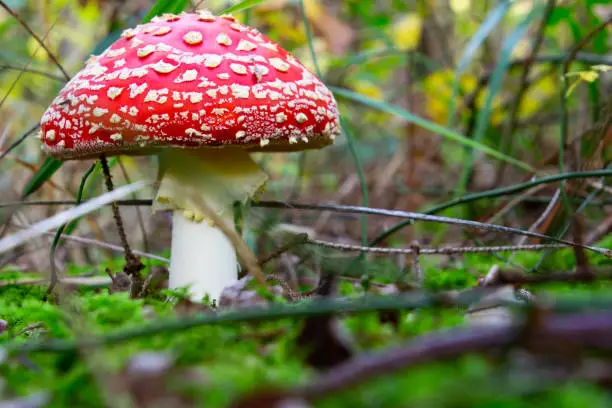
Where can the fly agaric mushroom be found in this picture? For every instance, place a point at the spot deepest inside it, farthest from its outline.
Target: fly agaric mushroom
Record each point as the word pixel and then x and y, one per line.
pixel 201 92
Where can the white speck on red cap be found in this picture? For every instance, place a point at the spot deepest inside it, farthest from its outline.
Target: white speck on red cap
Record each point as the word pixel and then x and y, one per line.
pixel 193 80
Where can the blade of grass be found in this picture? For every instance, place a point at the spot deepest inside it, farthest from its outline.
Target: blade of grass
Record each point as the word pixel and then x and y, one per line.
pixel 243 5
pixel 488 25
pixel 38 39
pixel 165 6
pixel 308 31
pixel 91 183
pixel 494 86
pixel 58 234
pixel 44 173
pixel 19 141
pixel 313 55
pixel 431 126
pixel 350 140
pixel 57 220
pixel 492 194
pixel 62 228
pixel 386 52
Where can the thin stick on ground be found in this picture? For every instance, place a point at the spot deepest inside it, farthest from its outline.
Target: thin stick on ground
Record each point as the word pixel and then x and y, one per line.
pixel 100 244
pixel 49 75
pixel 133 266
pixel 19 141
pixel 543 217
pixel 141 223
pixel 36 37
pixel 500 213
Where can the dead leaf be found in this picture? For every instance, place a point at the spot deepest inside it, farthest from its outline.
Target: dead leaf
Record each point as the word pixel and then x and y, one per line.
pixel 185 307
pixel 238 296
pixel 121 282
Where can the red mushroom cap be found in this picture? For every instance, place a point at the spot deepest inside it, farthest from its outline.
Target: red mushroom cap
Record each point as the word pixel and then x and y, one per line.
pixel 193 80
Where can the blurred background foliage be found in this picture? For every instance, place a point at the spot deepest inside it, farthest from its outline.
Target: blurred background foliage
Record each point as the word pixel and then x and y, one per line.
pixel 491 71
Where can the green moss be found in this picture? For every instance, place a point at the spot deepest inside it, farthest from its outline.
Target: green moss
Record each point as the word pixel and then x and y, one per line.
pixel 230 360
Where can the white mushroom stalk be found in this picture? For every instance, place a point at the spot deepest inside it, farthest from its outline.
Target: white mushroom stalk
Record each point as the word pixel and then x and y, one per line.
pixel 203 258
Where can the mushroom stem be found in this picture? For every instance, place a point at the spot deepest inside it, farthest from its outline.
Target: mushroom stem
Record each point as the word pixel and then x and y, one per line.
pixel 203 258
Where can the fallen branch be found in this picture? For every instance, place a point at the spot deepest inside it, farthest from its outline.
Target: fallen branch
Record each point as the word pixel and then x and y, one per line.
pixel 408 301
pixel 586 330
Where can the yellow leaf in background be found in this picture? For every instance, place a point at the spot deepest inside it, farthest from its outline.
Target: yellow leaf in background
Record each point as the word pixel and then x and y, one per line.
pixel 282 27
pixel 406 32
pixel 520 8
pixel 89 13
pixel 130 165
pixel 522 48
pixel 602 67
pixel 376 118
pixel 497 113
pixel 528 107
pixel 271 5
pixel 439 81
pixel 437 109
pixel 438 91
pixel 367 88
pixel 437 87
pixel 313 9
pixel 589 76
pixel 537 95
pixel 34 50
pixel 460 6
pixel 304 55
pixel 467 83
pixel 216 5
pixel 375 44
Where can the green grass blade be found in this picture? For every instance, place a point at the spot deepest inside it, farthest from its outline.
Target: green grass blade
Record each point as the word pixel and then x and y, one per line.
pixel 501 191
pixel 350 141
pixel 243 5
pixel 308 31
pixel 79 198
pixel 497 79
pixel 431 126
pixel 91 182
pixel 487 26
pixel 44 173
pixel 302 155
pixel 165 6
pixel 379 53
